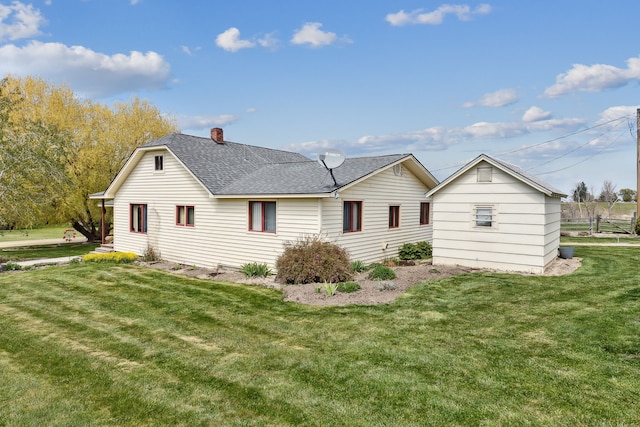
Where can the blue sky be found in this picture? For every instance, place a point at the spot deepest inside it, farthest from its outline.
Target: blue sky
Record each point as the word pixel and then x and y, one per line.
pixel 551 86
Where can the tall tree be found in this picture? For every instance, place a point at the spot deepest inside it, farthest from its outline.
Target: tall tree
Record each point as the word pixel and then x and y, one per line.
pixel 628 195
pixel 93 143
pixel 30 171
pixel 580 195
pixel 608 194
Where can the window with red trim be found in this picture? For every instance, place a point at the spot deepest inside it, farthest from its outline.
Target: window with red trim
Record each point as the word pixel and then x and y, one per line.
pixel 394 216
pixel 186 216
pixel 262 216
pixel 138 218
pixel 352 217
pixel 424 213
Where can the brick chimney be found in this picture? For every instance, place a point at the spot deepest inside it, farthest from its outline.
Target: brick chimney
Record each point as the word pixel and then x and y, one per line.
pixel 217 135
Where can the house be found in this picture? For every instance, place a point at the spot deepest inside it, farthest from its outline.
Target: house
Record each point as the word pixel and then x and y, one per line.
pixel 490 214
pixel 210 202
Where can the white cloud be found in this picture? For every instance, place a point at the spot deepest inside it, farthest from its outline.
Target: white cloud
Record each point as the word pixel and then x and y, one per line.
pixel 89 73
pixel 203 122
pixel 269 41
pixel 311 34
pixel 417 16
pixel 230 40
pixel 439 138
pixel 19 21
pixel 500 98
pixel 535 114
pixel 614 113
pixel 594 78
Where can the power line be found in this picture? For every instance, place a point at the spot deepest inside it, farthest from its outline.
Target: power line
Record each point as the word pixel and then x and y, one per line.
pixel 584 160
pixel 575 149
pixel 528 147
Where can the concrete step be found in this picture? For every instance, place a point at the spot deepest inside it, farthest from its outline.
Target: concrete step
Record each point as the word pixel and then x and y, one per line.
pixel 104 249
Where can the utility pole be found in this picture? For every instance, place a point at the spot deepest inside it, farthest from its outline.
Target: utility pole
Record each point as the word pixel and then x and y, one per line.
pixel 638 163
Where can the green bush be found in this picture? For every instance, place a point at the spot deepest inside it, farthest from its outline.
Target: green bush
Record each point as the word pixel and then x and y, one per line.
pixel 115 257
pixel 348 287
pixel 312 260
pixel 413 251
pixel 381 272
pixel 12 266
pixel 637 230
pixel 358 266
pixel 254 269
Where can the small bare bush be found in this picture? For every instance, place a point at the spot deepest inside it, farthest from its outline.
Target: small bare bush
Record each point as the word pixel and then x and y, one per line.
pixel 313 260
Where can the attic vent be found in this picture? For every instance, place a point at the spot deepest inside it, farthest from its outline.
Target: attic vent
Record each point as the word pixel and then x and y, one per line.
pixel 397 170
pixel 484 174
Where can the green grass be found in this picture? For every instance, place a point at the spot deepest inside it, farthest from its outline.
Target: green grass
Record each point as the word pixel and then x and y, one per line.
pixel 599 240
pixel 92 344
pixel 47 251
pixel 54 232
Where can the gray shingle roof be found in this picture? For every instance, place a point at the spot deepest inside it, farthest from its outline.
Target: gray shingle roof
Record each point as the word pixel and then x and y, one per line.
pixel 527 176
pixel 237 169
pixel 509 168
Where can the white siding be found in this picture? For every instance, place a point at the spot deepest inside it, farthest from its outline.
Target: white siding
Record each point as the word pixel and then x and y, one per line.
pixel 377 241
pixel 221 233
pixel 525 234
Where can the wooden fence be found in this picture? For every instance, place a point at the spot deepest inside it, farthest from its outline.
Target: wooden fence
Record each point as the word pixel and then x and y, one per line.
pixel 598 224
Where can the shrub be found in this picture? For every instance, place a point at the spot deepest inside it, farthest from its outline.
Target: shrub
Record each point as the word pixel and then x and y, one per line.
pixel 312 260
pixel 637 230
pixel 254 269
pixel 348 287
pixel 12 266
pixel 115 257
pixel 358 266
pixel 381 272
pixel 151 254
pixel 412 251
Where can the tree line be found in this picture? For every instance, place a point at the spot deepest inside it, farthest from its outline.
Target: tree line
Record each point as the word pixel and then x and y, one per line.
pixel 56 149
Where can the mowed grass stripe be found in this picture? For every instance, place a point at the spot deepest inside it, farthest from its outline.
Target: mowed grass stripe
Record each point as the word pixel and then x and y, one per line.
pixel 480 348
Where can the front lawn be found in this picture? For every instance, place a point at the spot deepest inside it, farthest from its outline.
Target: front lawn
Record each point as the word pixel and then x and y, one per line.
pixel 47 251
pixel 95 344
pixel 48 232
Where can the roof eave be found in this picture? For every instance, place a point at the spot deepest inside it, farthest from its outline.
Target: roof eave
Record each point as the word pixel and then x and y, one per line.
pixel 274 196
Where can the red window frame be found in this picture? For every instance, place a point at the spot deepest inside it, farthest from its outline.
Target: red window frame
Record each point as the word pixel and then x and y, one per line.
pixel 141 223
pixel 394 216
pixel 187 220
pixel 266 225
pixel 425 208
pixel 352 218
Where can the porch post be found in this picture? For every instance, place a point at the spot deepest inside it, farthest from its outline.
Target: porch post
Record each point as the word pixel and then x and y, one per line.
pixel 104 210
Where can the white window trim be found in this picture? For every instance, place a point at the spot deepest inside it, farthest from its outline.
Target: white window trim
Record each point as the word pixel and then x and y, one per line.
pixel 494 217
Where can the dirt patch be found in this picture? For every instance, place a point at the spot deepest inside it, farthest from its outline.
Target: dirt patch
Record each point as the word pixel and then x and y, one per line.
pixel 370 292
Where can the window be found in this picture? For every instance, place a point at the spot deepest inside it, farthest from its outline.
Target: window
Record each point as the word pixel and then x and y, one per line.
pixel 138 218
pixel 484 216
pixel 394 216
pixel 159 163
pixel 185 215
pixel 262 216
pixel 352 217
pixel 424 213
pixel 484 174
